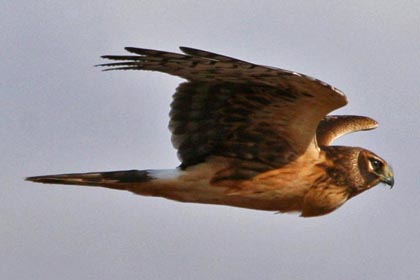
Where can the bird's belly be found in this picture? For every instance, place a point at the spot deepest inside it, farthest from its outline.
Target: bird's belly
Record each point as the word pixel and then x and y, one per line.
pixel 280 192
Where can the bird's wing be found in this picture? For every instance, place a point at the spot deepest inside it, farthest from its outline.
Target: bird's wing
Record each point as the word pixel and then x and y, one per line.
pixel 333 127
pixel 236 109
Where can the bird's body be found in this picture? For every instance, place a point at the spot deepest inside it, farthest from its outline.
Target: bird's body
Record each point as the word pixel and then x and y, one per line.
pixel 248 136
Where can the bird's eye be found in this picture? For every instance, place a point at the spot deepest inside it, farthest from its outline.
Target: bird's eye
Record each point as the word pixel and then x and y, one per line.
pixel 376 165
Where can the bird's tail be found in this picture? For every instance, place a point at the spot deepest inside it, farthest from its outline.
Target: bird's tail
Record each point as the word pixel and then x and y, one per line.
pixel 121 180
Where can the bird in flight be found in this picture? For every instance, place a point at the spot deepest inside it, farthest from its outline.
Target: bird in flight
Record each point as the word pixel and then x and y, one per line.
pixel 248 136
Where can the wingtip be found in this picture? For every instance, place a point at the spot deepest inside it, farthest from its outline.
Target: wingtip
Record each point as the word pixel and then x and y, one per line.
pixel 369 122
pixel 111 57
pixel 105 65
pixel 131 49
pixel 375 124
pixel 139 51
pixel 186 50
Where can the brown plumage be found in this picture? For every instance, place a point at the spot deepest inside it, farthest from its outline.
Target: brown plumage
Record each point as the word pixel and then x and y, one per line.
pixel 249 136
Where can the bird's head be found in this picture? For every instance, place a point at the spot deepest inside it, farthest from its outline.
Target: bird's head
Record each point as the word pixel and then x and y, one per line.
pixel 374 169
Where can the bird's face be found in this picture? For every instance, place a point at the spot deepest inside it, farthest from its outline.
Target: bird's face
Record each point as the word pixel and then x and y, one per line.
pixel 376 170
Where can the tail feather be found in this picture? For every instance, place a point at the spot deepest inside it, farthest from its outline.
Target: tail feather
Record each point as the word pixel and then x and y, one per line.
pixel 104 179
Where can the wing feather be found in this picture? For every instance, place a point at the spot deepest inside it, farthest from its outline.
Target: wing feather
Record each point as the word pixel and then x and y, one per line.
pixel 333 127
pixel 237 109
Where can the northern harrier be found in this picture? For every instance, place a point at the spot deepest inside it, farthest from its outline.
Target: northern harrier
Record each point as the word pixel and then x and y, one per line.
pixel 248 136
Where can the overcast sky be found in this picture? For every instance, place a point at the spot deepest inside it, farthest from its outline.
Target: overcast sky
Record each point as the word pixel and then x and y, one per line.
pixel 60 114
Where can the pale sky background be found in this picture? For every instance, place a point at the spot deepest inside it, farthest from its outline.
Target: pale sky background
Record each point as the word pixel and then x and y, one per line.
pixel 60 114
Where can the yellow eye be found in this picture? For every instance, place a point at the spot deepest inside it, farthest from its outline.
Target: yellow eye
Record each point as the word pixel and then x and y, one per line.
pixel 376 165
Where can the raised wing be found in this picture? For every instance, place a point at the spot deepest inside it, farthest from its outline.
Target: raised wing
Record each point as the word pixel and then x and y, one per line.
pixel 332 127
pixel 237 109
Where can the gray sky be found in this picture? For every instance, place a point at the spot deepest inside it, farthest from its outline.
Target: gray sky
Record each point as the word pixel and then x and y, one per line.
pixel 60 114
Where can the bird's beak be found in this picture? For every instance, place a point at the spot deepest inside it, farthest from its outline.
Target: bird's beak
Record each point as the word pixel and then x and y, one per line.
pixel 388 177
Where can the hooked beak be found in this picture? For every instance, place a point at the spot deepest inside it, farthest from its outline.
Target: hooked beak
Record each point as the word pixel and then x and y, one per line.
pixel 388 177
